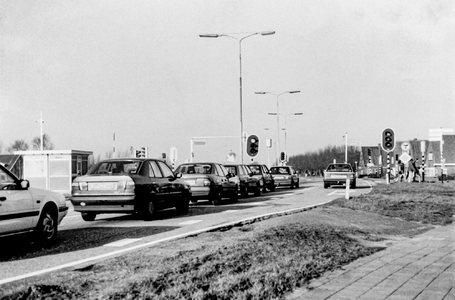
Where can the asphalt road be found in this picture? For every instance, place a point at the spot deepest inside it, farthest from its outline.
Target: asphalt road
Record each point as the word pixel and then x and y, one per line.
pixel 80 243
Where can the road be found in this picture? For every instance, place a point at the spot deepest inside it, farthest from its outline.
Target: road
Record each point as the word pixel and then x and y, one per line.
pixel 81 242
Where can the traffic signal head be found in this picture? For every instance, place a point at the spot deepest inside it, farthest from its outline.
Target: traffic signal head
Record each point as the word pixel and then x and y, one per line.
pixel 283 156
pixel 388 140
pixel 252 145
pixel 369 152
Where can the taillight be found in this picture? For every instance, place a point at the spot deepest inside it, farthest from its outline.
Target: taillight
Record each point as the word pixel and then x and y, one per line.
pixel 83 186
pixel 206 182
pixel 125 185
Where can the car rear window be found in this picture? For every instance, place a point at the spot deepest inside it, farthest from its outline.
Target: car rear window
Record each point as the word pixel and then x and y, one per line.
pixel 115 167
pixel 195 169
pixel 339 168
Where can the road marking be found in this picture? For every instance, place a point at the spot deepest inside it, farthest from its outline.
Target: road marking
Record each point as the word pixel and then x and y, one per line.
pixel 122 243
pixel 230 211
pixel 339 193
pixel 190 222
pixel 152 243
pixel 252 203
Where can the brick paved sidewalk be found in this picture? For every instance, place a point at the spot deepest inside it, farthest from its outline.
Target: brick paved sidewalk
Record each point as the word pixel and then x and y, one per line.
pixel 419 268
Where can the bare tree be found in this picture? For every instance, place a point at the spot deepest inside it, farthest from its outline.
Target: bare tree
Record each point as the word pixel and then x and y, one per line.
pixel 47 144
pixel 17 145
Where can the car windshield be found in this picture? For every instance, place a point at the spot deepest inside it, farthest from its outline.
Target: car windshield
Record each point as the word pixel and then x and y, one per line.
pixel 339 168
pixel 115 167
pixel 256 169
pixel 195 169
pixel 279 170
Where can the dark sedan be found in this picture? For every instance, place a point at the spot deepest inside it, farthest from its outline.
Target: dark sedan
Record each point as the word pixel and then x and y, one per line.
pixel 129 185
pixel 248 182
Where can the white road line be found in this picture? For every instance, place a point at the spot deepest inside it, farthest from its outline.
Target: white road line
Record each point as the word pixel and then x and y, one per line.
pixel 122 243
pixel 251 203
pixel 148 244
pixel 339 193
pixel 190 222
pixel 230 211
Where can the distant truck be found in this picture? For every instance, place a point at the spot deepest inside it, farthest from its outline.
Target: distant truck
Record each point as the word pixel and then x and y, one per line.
pixel 337 174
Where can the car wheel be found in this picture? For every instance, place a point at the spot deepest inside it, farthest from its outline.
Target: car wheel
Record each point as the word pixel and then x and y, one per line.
pixel 264 187
pixel 235 195
pixel 150 210
pixel 326 185
pixel 46 229
pixel 292 184
pixel 88 217
pixel 353 185
pixel 272 187
pixel 297 184
pixel 245 191
pixel 183 205
pixel 216 198
pixel 257 192
pixel 193 200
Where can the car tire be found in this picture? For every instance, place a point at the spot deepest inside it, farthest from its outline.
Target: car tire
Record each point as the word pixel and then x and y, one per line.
pixel 193 200
pixel 216 198
pixel 46 229
pixel 264 187
pixel 184 205
pixel 257 192
pixel 245 191
pixel 88 217
pixel 149 210
pixel 326 185
pixel 292 185
pixel 235 195
pixel 297 185
pixel 353 185
pixel 272 187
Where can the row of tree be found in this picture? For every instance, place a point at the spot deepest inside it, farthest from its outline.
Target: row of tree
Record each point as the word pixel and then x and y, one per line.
pixel 35 144
pixel 316 161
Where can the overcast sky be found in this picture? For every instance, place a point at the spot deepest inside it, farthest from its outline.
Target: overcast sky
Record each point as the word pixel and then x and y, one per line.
pixel 139 68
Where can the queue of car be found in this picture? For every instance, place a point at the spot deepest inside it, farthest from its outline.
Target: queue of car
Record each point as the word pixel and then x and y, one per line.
pixel 139 186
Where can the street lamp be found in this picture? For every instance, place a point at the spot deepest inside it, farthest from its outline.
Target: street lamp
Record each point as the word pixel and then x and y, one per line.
pixel 240 59
pixel 277 115
pixel 285 126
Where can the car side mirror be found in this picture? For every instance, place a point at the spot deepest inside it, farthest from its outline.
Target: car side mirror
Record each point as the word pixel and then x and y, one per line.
pixel 25 184
pixel 178 175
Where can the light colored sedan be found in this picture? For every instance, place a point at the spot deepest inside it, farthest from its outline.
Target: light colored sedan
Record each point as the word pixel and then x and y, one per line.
pixel 26 209
pixel 285 176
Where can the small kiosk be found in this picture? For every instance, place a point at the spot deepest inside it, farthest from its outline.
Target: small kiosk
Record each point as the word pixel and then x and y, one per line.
pixel 54 169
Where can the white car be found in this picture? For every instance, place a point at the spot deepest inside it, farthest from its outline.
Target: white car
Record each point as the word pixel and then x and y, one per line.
pixel 26 209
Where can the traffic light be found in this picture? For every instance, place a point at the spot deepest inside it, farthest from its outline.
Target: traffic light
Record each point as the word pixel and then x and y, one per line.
pixel 283 156
pixel 252 145
pixel 388 140
pixel 369 152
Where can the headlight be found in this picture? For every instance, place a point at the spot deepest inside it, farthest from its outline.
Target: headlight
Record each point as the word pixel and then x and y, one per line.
pixel 206 182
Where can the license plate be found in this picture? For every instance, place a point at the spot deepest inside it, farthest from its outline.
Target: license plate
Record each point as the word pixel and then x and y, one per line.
pixel 279 177
pixel 340 176
pixel 191 182
pixel 102 186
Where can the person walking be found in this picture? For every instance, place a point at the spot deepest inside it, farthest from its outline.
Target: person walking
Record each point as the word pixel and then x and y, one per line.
pixel 416 173
pixel 411 170
pixel 400 171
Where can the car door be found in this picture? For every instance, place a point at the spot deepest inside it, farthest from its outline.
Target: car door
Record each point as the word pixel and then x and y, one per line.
pixel 222 179
pixel 18 211
pixel 174 188
pixel 231 181
pixel 159 184
pixel 266 174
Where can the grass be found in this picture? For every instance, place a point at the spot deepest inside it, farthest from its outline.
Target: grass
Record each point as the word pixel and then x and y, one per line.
pixel 263 260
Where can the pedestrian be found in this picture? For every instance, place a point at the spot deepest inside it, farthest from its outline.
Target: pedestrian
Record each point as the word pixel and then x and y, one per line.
pixel 400 171
pixel 416 173
pixel 411 170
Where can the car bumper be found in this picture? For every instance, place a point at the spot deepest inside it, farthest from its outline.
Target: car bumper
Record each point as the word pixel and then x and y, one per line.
pixel 62 212
pixel 338 181
pixel 200 192
pixel 104 204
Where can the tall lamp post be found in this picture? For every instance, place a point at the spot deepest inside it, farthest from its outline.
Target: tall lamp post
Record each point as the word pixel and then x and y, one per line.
pixel 285 126
pixel 214 35
pixel 277 115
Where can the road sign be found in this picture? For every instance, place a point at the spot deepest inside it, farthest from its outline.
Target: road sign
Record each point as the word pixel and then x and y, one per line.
pixel 230 157
pixel 405 157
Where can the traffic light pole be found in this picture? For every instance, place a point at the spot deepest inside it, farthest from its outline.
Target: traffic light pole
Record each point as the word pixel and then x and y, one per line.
pixel 387 178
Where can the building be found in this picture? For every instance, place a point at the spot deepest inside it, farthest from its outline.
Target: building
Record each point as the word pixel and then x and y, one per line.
pixel 54 169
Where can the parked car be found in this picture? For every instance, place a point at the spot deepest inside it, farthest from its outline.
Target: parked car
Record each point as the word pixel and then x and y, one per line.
pixel 248 182
pixel 26 209
pixel 285 176
pixel 129 185
pixel 209 180
pixel 265 178
pixel 337 174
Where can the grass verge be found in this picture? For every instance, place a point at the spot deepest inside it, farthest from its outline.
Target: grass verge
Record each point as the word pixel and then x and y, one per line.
pixel 263 260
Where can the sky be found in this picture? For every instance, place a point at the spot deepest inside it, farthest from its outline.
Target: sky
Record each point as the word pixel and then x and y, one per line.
pixel 139 69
